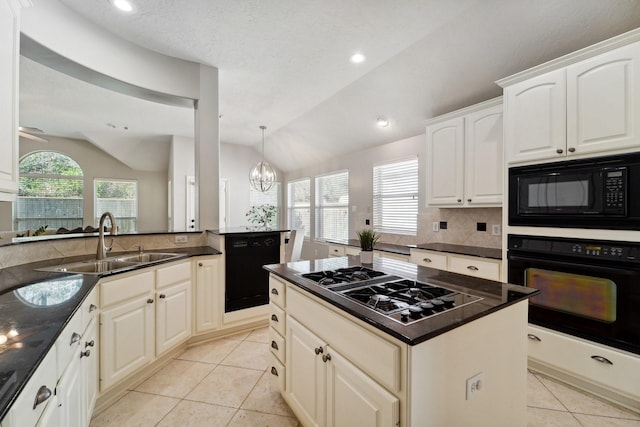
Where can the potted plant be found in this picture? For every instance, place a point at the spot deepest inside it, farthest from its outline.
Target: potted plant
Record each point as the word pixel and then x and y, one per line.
pixel 368 239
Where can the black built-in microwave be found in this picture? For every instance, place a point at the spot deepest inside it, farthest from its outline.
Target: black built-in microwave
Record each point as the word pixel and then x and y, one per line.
pixel 601 192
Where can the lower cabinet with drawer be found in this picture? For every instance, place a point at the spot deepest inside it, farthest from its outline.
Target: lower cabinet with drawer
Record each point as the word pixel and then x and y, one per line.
pixel 277 318
pixel 602 370
pixel 484 268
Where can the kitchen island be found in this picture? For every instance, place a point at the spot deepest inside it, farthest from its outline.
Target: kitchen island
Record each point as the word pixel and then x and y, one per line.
pixel 343 362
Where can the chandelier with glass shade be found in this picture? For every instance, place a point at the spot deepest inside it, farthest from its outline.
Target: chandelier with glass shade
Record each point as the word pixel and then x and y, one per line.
pixel 262 176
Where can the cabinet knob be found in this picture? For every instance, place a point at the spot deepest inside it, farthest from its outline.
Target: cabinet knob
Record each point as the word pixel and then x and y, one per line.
pixel 533 337
pixel 75 337
pixel 274 371
pixel 274 345
pixel 274 291
pixel 274 317
pixel 559 151
pixel 85 353
pixel 199 264
pixel 150 301
pixel 89 344
pixel 472 268
pixel 326 357
pixel 318 350
pixel 163 296
pixel 571 150
pixel 42 395
pixel 468 200
pixel 602 359
pixel 92 307
pixel 459 200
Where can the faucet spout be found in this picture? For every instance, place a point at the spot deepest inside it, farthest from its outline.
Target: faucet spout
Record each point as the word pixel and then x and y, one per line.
pixel 102 248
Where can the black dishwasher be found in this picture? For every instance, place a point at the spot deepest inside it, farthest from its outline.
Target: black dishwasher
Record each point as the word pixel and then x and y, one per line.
pixel 247 283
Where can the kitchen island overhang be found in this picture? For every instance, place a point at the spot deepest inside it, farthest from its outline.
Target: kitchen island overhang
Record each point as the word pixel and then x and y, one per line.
pixel 494 295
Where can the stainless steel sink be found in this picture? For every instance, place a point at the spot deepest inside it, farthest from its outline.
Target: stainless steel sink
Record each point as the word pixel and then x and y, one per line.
pixel 113 264
pixel 147 257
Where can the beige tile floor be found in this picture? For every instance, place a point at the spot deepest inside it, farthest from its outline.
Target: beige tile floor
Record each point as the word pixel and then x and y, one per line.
pixel 226 383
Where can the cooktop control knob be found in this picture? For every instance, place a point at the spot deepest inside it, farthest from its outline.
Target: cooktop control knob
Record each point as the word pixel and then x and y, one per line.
pixel 438 305
pixel 404 315
pixel 415 312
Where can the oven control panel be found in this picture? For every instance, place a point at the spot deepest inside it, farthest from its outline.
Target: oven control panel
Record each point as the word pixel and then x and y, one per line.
pixel 615 190
pixel 605 250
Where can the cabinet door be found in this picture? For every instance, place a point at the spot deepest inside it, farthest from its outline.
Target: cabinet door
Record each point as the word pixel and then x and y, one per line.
pixel 50 416
pixel 89 366
pixel 173 316
pixel 207 311
pixel 306 375
pixel 484 168
pixel 126 339
pixel 354 399
pixel 603 102
pixel 445 162
pixel 535 118
pixel 9 60
pixel 70 394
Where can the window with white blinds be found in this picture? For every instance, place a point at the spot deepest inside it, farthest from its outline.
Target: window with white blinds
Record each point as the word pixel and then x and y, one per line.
pixel 270 197
pixel 395 197
pixel 332 206
pixel 120 197
pixel 299 205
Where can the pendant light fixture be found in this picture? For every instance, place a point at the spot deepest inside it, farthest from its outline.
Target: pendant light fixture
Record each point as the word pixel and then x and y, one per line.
pixel 262 176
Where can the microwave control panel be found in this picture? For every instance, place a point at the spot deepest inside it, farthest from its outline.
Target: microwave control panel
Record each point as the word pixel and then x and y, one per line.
pixel 615 190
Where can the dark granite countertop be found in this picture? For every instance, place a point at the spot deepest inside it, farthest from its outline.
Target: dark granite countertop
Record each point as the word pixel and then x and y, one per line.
pixel 492 253
pixel 35 307
pixel 247 230
pixel 383 247
pixel 495 295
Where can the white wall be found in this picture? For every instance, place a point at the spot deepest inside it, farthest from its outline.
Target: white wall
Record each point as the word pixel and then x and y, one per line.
pixel 461 222
pixel 181 165
pixel 95 163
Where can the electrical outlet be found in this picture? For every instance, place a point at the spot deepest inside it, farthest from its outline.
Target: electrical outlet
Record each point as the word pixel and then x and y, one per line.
pixel 367 222
pixel 180 238
pixel 495 230
pixel 436 226
pixel 475 384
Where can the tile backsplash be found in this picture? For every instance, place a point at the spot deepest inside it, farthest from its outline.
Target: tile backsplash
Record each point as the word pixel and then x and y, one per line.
pixel 461 228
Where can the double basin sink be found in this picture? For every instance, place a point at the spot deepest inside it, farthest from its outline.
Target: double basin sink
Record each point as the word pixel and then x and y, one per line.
pixel 114 264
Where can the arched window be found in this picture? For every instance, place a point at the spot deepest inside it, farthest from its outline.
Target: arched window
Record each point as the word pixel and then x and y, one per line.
pixel 51 192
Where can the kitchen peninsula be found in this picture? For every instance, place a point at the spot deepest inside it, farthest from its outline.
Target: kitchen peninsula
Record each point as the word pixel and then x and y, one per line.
pixel 343 360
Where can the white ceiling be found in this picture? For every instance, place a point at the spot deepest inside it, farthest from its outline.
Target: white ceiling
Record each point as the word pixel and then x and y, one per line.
pixel 284 64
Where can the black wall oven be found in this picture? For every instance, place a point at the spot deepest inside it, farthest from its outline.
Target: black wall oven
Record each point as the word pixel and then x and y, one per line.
pixel 589 288
pixel 603 192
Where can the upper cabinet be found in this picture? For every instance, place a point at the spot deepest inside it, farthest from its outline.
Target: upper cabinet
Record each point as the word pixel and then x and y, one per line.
pixel 589 107
pixel 464 157
pixel 9 60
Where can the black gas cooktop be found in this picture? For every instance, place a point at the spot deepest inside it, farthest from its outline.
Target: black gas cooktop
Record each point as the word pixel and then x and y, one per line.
pixel 405 301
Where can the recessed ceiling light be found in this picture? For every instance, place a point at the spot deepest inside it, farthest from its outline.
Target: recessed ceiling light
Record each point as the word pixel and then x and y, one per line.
pixel 357 58
pixel 122 5
pixel 382 122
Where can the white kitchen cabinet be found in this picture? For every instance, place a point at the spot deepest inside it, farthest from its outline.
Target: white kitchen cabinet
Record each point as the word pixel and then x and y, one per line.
pixel 464 157
pixel 9 62
pixel 207 305
pixel 70 393
pixel 484 268
pixel 327 390
pixel 127 327
pixel 590 107
pixel 90 349
pixel 173 305
pixel 598 368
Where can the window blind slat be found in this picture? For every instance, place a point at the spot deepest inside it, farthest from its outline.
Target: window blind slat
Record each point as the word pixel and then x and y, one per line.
pixel 299 205
pixel 332 206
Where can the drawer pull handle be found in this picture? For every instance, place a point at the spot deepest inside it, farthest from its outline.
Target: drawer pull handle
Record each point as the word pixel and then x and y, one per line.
pixel 326 357
pixel 602 360
pixel 533 337
pixel 559 151
pixel 571 150
pixel 274 291
pixel 274 371
pixel 472 268
pixel 89 344
pixel 274 345
pixel 162 296
pixel 426 259
pixel 42 395
pixel 86 353
pixel 92 307
pixel 75 337
pixel 274 317
pixel 150 301
pixel 318 350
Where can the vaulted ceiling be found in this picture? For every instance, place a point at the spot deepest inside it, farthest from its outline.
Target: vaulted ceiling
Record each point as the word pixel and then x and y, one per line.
pixel 284 64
